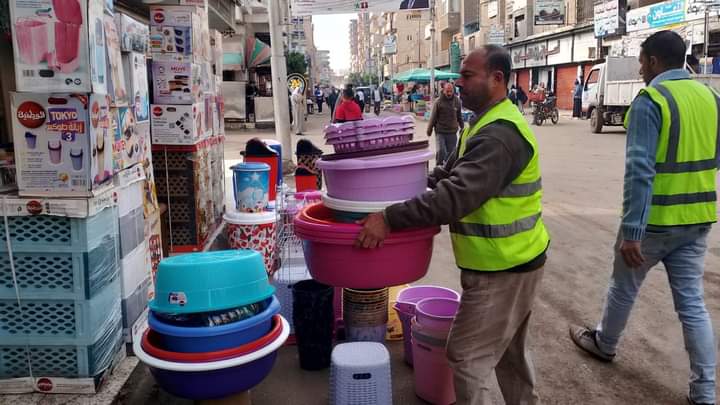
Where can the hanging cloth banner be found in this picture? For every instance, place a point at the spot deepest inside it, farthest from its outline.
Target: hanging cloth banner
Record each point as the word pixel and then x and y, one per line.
pixel 315 7
pixel 257 52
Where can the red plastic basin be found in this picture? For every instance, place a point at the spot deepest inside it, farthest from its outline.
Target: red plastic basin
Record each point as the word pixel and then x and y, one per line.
pixel 150 345
pixel 332 258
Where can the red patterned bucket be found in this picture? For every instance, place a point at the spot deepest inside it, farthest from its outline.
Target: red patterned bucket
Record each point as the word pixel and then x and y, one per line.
pixel 254 231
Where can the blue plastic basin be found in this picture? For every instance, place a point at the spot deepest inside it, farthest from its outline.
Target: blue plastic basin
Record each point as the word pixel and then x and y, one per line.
pixel 213 338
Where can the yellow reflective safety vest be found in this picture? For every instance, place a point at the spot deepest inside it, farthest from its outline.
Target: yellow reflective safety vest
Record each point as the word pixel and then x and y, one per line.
pixel 686 162
pixel 506 231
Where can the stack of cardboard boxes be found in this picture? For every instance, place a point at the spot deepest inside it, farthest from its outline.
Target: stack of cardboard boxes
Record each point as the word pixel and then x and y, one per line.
pixel 186 123
pixel 75 264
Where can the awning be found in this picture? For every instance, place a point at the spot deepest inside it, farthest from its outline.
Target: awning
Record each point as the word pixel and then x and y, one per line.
pixel 257 52
pixel 423 75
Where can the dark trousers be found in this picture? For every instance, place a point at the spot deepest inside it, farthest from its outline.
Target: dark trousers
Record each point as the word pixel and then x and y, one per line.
pixel 320 103
pixel 577 107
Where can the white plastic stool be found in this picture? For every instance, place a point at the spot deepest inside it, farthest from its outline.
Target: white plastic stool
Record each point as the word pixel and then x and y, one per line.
pixel 360 374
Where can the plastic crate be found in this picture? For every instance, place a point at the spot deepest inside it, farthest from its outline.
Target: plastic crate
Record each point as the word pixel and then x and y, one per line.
pixel 59 321
pixel 47 233
pixel 61 275
pixel 70 361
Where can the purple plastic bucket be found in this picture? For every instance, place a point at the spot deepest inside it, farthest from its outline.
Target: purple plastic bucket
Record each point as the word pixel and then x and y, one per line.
pixel 406 321
pixel 409 297
pixel 436 313
pixel 391 177
pixel 216 383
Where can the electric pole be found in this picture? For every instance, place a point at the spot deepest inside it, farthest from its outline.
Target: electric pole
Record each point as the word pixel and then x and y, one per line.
pixel 279 79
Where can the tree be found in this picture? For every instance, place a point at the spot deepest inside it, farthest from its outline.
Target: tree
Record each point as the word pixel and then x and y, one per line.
pixel 296 63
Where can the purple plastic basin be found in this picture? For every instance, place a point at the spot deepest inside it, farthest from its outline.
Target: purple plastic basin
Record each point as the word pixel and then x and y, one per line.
pixel 392 177
pixel 436 313
pixel 216 383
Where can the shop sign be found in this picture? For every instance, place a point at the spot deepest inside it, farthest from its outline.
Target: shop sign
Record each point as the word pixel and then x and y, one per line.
pixel 390 45
pixel 584 47
pixel 609 18
pixel 492 9
pixel 518 57
pixel 559 51
pixel 314 7
pixel 496 36
pixel 549 12
pixel 656 16
pixel 695 10
pixel 296 81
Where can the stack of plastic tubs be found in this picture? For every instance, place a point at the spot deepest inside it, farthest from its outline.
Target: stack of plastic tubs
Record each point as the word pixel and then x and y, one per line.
pixel 217 168
pixel 184 182
pixel 62 317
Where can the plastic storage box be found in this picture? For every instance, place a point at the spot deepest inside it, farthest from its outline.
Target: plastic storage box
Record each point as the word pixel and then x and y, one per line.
pixel 360 374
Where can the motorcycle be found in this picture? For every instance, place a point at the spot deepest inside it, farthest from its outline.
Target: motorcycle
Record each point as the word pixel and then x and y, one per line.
pixel 544 110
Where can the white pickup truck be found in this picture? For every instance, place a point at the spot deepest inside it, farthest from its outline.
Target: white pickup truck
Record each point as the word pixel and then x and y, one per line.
pixel 610 88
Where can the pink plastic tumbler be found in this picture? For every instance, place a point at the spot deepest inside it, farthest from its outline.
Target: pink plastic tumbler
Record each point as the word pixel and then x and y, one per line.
pixel 32 40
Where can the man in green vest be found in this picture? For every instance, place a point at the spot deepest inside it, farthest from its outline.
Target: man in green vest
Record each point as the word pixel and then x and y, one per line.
pixel 489 192
pixel 669 205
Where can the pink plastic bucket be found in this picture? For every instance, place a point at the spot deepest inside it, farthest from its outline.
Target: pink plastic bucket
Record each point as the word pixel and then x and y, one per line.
pixel 433 375
pixel 253 231
pixel 436 313
pixel 405 321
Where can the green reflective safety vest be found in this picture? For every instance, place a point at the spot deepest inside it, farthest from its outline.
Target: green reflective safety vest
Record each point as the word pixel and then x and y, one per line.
pixel 686 161
pixel 506 231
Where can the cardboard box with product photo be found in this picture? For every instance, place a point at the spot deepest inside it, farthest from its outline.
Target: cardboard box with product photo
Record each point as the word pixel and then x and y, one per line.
pixel 179 34
pixel 134 35
pixel 176 83
pixel 136 78
pixel 117 88
pixel 126 141
pixel 177 124
pixel 63 144
pixel 59 46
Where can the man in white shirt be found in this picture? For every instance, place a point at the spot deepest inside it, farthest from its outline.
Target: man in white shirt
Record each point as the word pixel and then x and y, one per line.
pixel 377 100
pixel 361 99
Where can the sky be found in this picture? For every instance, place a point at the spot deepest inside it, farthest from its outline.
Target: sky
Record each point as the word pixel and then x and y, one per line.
pixel 331 33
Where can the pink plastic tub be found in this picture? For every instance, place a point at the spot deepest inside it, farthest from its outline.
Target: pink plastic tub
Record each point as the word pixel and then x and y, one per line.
pixel 436 313
pixel 332 259
pixel 391 177
pixel 433 375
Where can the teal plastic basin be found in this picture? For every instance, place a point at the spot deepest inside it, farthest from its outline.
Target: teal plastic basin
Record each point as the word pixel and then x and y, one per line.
pixel 210 281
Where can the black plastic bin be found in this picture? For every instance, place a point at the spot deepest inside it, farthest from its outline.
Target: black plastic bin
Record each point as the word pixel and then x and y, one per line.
pixel 313 319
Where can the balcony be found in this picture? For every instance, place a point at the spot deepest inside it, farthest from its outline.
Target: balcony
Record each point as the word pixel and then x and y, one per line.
pixel 442 58
pixel 449 22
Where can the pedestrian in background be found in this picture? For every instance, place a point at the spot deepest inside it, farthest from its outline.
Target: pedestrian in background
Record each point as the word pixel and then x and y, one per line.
pixel 577 99
pixel 445 120
pixel 377 100
pixel 669 205
pixel 319 98
pixel 297 100
pixel 490 193
pixel 309 100
pixel 360 97
pixel 331 100
pixel 522 98
pixel 348 110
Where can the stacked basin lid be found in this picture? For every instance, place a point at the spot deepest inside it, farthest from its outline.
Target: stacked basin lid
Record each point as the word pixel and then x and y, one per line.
pixel 214 327
pixel 370 134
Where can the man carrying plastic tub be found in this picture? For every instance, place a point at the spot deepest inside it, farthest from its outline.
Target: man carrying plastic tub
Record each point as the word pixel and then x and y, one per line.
pixel 489 193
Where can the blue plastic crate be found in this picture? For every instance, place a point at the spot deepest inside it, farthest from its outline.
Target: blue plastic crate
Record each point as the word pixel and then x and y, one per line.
pixel 70 361
pixel 48 233
pixel 59 321
pixel 61 275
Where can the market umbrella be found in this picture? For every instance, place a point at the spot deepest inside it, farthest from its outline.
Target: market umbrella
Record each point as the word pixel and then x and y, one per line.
pixel 423 75
pixel 257 52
